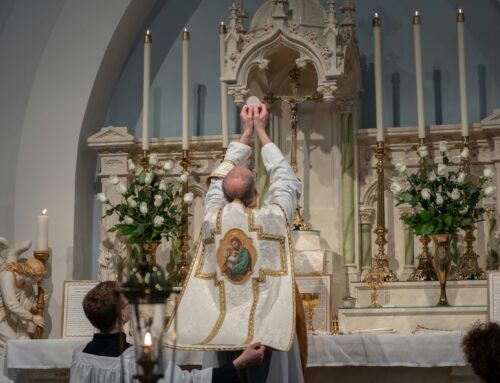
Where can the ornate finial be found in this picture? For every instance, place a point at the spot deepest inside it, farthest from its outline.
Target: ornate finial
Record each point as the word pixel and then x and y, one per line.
pixel 233 17
pixel 330 11
pixel 280 10
pixel 347 9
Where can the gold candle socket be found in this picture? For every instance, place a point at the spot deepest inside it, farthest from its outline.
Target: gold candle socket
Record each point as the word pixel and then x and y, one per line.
pixel 43 257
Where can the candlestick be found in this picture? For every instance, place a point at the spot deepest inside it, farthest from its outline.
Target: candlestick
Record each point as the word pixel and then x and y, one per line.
pixel 146 88
pixel 185 89
pixel 223 86
pixel 461 73
pixel 418 75
pixel 378 77
pixel 42 242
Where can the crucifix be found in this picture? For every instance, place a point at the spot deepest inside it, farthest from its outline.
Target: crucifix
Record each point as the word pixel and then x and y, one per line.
pixel 294 100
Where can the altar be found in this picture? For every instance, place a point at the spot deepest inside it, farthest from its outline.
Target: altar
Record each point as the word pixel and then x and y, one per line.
pixel 434 357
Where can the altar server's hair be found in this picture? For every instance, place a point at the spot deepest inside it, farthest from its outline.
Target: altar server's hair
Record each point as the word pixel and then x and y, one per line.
pixel 102 305
pixel 481 346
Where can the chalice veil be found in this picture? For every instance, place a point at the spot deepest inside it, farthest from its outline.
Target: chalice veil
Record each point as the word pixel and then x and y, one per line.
pixel 240 287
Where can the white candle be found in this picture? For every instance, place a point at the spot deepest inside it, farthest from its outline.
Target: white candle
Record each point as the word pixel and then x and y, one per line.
pixel 418 75
pixel 223 86
pixel 42 238
pixel 146 88
pixel 378 77
pixel 461 73
pixel 185 89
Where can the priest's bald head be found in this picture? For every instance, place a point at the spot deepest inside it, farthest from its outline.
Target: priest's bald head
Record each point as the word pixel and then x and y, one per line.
pixel 240 184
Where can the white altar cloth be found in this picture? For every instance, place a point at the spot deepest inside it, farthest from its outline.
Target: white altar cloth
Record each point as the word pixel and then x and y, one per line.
pixel 433 349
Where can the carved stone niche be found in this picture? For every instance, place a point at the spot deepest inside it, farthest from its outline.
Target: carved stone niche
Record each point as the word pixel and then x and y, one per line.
pixel 284 34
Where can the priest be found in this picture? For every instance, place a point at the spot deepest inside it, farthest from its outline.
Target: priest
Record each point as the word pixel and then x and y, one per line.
pixel 240 287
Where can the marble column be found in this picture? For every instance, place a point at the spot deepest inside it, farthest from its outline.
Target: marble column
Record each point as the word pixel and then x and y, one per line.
pixel 366 215
pixel 409 248
pixel 492 244
pixel 348 198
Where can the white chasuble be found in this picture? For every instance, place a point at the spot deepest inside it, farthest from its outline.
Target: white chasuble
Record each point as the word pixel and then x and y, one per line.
pixel 240 287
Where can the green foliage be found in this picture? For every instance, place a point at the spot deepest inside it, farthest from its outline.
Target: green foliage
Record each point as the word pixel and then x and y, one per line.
pixel 443 199
pixel 151 207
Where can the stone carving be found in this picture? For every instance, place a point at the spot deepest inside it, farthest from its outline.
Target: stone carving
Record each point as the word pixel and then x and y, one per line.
pixel 18 309
pixel 113 257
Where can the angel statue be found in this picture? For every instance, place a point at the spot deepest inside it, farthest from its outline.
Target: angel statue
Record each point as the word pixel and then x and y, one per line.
pixel 18 311
pixel 113 257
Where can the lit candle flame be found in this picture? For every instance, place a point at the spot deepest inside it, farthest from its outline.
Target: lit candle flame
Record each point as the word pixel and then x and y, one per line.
pixel 185 29
pixel 44 212
pixel 460 10
pixel 376 14
pixel 416 13
pixel 222 23
pixel 147 32
pixel 174 336
pixel 147 339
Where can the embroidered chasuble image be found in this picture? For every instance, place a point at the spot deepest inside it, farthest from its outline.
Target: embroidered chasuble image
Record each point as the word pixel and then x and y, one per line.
pixel 240 287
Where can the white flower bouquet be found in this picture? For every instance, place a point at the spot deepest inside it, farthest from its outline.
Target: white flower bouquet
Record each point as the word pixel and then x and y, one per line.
pixel 152 206
pixel 443 199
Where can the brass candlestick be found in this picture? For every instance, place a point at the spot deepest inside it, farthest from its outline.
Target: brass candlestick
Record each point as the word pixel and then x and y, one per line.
pixel 380 271
pixel 469 268
pixel 180 271
pixel 310 300
pixel 42 256
pixel 424 270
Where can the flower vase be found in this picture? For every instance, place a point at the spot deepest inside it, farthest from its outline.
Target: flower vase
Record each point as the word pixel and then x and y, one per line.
pixel 148 251
pixel 442 262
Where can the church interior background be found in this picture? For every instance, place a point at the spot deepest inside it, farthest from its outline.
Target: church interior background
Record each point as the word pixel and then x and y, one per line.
pixel 71 114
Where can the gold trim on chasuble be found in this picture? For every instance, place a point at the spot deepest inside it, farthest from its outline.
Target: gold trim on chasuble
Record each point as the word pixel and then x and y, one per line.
pixel 255 283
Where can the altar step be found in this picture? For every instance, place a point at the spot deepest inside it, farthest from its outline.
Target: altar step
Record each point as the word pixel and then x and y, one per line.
pixel 459 293
pixel 406 319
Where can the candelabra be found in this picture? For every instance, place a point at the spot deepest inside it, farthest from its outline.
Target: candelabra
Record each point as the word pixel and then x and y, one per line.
pixel 42 256
pixel 424 270
pixel 380 271
pixel 468 268
pixel 182 266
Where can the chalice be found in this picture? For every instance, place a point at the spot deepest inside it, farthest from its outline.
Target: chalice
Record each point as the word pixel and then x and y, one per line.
pixel 310 300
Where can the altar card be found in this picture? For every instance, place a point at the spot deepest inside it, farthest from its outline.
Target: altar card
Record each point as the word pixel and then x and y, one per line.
pixel 321 284
pixel 75 324
pixel 494 296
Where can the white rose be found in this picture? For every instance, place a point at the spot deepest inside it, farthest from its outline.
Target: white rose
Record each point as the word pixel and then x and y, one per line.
pixel 184 177
pixel 443 148
pixel 439 199
pixel 143 208
pixel 464 210
pixel 153 159
pixel 131 166
pixel 487 172
pixel 162 185
pixel 455 194
pixel 426 193
pixel 465 153
pixel 431 176
pixel 102 197
pixel 188 198
pixel 148 178
pixel 441 169
pixel 114 180
pixel 168 165
pixel 422 151
pixel 398 166
pixel 158 220
pixel 128 220
pixel 489 191
pixel 121 188
pixel 461 178
pixel 158 200
pixel 131 201
pixel 396 188
pixel 401 168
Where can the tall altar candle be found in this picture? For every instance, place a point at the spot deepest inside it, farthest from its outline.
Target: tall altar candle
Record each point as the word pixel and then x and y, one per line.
pixel 378 77
pixel 42 238
pixel 461 73
pixel 223 86
pixel 185 89
pixel 146 89
pixel 418 75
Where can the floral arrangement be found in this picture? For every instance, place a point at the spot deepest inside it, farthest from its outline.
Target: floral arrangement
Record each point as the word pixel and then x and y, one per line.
pixel 151 207
pixel 443 199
